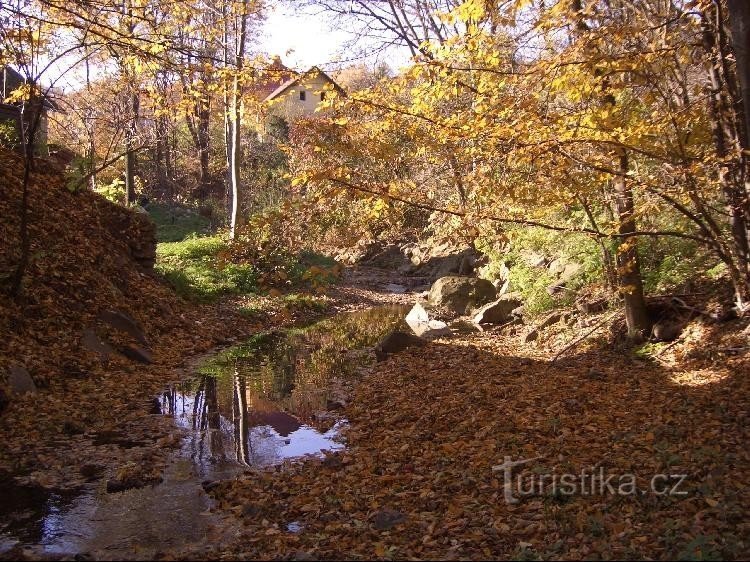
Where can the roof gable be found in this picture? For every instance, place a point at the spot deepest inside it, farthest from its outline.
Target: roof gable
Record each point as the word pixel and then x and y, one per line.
pixel 312 72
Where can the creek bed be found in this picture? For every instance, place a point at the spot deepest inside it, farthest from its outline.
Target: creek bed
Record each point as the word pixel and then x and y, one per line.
pixel 261 403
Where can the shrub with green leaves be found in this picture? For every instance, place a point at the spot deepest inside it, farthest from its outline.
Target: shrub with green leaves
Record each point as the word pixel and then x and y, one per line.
pixel 532 281
pixel 114 191
pixel 9 135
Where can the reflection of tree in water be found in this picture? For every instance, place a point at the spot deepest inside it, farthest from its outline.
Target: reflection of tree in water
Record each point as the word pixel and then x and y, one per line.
pixel 240 417
pixel 254 385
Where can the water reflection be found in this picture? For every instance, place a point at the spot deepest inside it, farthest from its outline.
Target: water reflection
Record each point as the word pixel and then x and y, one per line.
pixel 256 403
pixel 252 404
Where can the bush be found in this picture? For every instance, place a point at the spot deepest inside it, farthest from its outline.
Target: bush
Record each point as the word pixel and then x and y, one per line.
pixel 114 192
pixel 273 245
pixel 510 253
pixel 9 135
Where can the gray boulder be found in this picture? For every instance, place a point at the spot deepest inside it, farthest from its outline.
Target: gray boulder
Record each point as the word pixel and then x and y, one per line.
pixel 499 311
pixel 138 353
pixel 665 331
pixel 460 295
pixel 20 380
pixel 90 340
pixel 124 323
pixel 423 322
pixel 396 342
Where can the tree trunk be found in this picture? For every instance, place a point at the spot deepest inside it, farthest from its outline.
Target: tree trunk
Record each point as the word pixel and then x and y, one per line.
pixel 161 148
pixel 33 108
pixel 739 20
pixel 237 117
pixel 204 145
pixel 235 158
pixel 227 120
pixel 728 123
pixel 131 160
pixel 628 262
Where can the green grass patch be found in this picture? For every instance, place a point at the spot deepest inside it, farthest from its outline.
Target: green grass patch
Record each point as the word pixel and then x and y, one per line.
pixel 251 312
pixel 174 224
pixel 301 302
pixel 194 269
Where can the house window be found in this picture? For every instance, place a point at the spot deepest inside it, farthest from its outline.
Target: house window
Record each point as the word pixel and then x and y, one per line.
pixel 302 95
pixel 322 96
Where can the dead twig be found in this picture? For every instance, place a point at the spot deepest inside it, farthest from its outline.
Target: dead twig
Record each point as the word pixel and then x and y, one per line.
pixel 575 342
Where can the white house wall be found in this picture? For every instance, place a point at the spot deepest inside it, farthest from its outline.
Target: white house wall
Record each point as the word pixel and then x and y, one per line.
pixel 290 107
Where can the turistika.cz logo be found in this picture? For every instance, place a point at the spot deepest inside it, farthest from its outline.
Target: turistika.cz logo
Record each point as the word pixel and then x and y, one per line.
pixel 591 481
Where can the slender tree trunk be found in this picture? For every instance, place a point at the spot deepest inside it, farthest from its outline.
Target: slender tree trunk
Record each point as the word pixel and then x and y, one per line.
pixel 31 113
pixel 131 160
pixel 227 120
pixel 161 148
pixel 235 158
pixel 204 144
pixel 91 159
pixel 237 116
pixel 628 262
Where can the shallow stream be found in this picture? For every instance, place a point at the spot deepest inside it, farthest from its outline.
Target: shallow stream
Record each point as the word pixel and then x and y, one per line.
pixel 269 400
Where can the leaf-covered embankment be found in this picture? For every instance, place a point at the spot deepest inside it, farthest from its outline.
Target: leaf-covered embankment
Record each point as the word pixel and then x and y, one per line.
pixel 86 259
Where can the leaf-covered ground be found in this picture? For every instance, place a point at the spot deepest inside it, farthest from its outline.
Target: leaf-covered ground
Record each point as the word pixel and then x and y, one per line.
pixel 428 425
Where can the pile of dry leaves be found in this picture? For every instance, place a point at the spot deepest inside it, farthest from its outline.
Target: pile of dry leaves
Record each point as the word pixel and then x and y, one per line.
pixel 428 425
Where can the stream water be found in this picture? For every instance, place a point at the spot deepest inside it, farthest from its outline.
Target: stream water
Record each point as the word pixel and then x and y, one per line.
pixel 260 403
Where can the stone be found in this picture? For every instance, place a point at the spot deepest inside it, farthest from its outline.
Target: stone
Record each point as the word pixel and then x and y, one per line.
pixel 552 319
pixel 533 259
pixel 124 323
pixel 593 307
pixel 665 331
pixel 91 341
pixel 501 286
pixel 570 270
pixel 395 288
pixel 386 519
pixel 556 288
pixel 209 485
pixel 499 311
pixel 460 295
pixel 565 271
pixel 20 380
pixel 519 312
pixel 423 324
pixel 137 353
pixel 531 336
pixel 396 342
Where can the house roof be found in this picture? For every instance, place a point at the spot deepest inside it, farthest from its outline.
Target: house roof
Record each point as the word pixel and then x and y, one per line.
pixel 314 71
pixel 273 76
